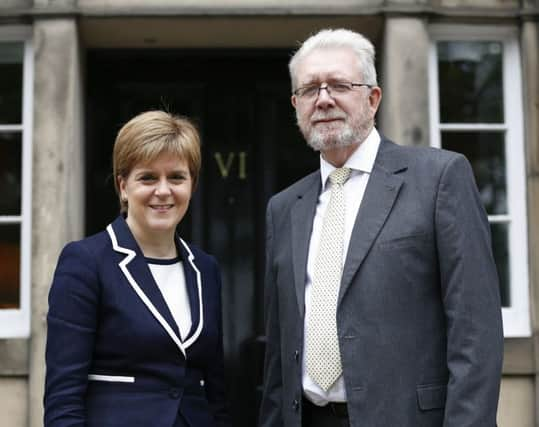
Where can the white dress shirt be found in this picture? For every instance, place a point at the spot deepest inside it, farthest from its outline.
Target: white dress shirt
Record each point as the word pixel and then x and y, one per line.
pixel 361 163
pixel 170 278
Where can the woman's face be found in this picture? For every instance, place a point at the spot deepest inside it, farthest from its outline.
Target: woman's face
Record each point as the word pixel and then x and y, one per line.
pixel 157 195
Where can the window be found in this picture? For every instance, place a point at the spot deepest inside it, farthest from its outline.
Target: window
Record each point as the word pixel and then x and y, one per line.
pixel 476 109
pixel 16 87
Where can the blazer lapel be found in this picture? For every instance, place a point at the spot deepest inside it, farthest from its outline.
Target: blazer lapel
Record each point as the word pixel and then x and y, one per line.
pixel 193 283
pixel 380 195
pixel 139 277
pixel 302 216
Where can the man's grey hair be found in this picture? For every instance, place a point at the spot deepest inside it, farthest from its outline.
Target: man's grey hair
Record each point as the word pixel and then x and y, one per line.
pixel 334 39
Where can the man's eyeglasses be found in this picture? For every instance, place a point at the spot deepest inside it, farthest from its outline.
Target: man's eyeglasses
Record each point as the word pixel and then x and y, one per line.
pixel 332 88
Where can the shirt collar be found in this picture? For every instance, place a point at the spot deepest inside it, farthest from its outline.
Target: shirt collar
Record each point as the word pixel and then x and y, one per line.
pixel 361 160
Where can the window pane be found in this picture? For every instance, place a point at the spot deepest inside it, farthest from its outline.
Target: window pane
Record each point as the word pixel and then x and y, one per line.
pixel 11 58
pixel 470 82
pixel 501 257
pixel 9 266
pixel 10 173
pixel 486 153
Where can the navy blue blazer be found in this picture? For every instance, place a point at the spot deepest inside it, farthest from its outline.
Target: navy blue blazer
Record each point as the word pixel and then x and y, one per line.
pixel 114 354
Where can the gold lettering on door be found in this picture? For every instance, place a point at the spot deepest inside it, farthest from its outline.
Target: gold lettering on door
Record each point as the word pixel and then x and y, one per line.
pixel 224 169
pixel 242 166
pixel 226 163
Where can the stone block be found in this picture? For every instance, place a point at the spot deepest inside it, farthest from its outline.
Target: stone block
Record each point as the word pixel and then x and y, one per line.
pixel 13 401
pixel 516 407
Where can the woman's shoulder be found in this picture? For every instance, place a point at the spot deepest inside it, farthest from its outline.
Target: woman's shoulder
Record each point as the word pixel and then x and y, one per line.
pixel 91 246
pixel 78 267
pixel 198 254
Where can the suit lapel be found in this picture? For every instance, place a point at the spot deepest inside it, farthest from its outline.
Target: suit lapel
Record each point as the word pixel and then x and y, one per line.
pixel 139 277
pixel 378 200
pixel 302 223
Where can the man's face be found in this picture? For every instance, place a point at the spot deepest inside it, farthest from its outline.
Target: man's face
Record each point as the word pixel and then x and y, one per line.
pixel 332 120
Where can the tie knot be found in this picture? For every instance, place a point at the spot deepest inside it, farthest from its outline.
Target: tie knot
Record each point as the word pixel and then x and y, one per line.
pixel 339 176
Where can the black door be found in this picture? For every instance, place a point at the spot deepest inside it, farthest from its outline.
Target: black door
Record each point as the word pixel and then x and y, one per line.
pixel 251 149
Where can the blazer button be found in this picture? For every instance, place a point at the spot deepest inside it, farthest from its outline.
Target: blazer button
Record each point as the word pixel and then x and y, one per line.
pixel 295 405
pixel 296 355
pixel 174 393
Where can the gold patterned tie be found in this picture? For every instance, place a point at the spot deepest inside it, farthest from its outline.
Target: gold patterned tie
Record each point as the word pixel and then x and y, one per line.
pixel 323 358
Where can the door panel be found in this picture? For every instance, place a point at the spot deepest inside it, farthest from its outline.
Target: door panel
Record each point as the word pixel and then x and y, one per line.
pixel 240 101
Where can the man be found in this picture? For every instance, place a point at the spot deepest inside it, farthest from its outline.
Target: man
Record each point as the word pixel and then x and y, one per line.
pixel 382 296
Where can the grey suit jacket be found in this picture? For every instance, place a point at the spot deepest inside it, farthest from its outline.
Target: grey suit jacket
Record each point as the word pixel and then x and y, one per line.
pixel 418 316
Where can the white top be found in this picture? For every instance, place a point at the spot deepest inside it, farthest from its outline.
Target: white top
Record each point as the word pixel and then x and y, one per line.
pixel 361 163
pixel 170 278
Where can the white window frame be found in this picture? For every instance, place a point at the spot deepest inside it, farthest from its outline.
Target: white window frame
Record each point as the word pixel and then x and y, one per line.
pixel 15 323
pixel 516 318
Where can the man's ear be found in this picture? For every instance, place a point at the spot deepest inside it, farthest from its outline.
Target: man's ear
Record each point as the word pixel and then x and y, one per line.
pixel 294 100
pixel 375 97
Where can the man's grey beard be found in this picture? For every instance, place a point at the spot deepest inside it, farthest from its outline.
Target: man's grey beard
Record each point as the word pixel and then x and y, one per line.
pixel 350 135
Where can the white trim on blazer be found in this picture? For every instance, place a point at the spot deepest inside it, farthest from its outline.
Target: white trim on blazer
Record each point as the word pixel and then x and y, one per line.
pixel 188 342
pixel 111 378
pixel 123 266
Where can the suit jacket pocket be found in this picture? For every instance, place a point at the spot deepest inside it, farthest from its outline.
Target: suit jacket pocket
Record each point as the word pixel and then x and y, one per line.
pixel 431 396
pixel 404 241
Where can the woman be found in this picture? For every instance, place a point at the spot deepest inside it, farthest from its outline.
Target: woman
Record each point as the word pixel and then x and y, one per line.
pixel 134 323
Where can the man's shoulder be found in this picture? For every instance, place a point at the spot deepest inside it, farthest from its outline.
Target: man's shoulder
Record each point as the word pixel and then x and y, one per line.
pixel 419 156
pixel 297 189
